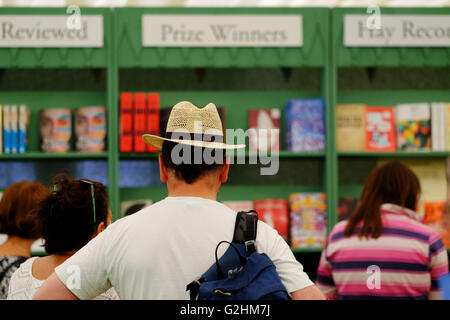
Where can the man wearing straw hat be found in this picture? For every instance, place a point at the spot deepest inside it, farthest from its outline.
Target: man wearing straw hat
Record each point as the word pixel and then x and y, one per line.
pixel 156 252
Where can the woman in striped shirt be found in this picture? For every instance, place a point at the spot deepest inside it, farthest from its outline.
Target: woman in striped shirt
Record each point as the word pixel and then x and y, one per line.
pixel 384 251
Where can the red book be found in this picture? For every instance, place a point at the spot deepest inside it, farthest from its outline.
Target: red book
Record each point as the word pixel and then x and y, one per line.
pixel 274 212
pixel 380 129
pixel 126 122
pixel 140 121
pixel 153 116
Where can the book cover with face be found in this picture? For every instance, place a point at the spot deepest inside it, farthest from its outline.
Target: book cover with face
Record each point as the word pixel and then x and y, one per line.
pixel 90 129
pixel 56 127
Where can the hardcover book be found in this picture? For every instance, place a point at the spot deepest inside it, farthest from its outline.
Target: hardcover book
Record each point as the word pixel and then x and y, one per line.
pixel 152 116
pixel 126 122
pixel 305 125
pixel 350 127
pixel 56 128
pixel 413 126
pixel 24 119
pixel 380 129
pixel 274 212
pixel 264 135
pixel 140 121
pixel 90 128
pixel 308 220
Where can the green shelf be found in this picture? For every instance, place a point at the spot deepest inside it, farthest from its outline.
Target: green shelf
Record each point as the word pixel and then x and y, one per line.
pixel 43 155
pixel 400 154
pixel 306 250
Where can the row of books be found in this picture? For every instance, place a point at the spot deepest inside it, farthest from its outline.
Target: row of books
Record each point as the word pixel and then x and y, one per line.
pixel 13 128
pixel 405 127
pixel 301 220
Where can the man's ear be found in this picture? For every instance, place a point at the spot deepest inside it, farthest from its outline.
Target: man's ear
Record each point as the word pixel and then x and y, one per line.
pixel 162 169
pixel 225 169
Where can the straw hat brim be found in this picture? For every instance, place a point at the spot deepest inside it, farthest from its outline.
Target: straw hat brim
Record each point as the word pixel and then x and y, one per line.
pixel 157 142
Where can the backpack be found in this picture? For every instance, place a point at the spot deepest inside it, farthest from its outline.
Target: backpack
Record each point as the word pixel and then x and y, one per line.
pixel 241 273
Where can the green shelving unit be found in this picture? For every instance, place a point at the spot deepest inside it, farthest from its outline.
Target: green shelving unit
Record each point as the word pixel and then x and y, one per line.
pixel 382 76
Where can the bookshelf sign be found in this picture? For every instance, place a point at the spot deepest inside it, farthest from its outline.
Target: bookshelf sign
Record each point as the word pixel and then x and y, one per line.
pixel 222 30
pixel 21 31
pixel 397 30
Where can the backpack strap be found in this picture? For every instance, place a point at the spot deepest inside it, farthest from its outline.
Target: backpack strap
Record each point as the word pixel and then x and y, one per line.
pixel 245 230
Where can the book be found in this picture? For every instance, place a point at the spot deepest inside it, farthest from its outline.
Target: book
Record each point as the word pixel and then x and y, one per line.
pixel 350 127
pixel 438 129
pixel 437 218
pixel 380 129
pixel 264 135
pixel 126 122
pixel 24 119
pixel 1 129
pixel 140 121
pixel 56 129
pixel 308 213
pixel 14 129
pixel 413 126
pixel 346 207
pixel 239 205
pixel 90 128
pixel 305 125
pixel 152 116
pixel 130 207
pixel 7 129
pixel 274 212
pixel 447 126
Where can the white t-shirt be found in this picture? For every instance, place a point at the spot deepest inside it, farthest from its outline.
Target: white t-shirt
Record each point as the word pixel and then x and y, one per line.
pixel 23 285
pixel 154 253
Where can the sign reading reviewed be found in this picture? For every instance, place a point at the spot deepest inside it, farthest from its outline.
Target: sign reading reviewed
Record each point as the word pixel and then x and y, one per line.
pixel 397 30
pixel 222 31
pixel 50 31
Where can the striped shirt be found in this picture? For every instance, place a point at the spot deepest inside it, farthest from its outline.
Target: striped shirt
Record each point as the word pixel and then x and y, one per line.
pixel 405 262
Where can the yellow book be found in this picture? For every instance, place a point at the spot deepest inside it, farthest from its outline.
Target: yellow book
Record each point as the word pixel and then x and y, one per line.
pixel 350 127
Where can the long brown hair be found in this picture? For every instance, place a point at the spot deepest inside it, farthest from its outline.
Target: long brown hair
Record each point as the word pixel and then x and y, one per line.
pixel 393 183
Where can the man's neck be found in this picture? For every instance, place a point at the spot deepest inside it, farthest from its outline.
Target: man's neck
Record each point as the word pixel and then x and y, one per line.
pixel 197 189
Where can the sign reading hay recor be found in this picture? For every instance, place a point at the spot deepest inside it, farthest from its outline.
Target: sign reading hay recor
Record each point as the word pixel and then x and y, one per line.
pixel 395 30
pixel 222 30
pixel 19 31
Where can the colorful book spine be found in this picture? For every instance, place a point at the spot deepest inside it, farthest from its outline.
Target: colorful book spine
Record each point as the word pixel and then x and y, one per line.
pixel 1 129
pixel 7 129
pixel 413 126
pixel 14 135
pixel 380 129
pixel 350 127
pixel 308 220
pixel 275 212
pixel 153 116
pixel 23 127
pixel 305 125
pixel 140 121
pixel 126 122
pixel 265 130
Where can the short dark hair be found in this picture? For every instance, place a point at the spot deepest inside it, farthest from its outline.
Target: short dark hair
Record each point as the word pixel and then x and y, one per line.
pixel 192 171
pixel 18 215
pixel 67 217
pixel 393 183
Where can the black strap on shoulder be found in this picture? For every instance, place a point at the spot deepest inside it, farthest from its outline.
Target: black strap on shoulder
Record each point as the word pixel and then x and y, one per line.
pixel 245 229
pixel 16 264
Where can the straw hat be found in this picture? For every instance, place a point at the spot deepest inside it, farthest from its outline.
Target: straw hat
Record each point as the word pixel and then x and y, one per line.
pixel 190 125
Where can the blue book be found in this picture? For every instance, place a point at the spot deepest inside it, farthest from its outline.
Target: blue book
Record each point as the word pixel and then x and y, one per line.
pixel 14 138
pixel 7 129
pixel 305 125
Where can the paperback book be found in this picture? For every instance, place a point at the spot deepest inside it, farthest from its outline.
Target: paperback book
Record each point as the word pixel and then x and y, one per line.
pixel 413 126
pixel 305 125
pixel 90 129
pixel 308 220
pixel 264 133
pixel 438 126
pixel 274 212
pixel 380 129
pixel 56 128
pixel 24 120
pixel 350 126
